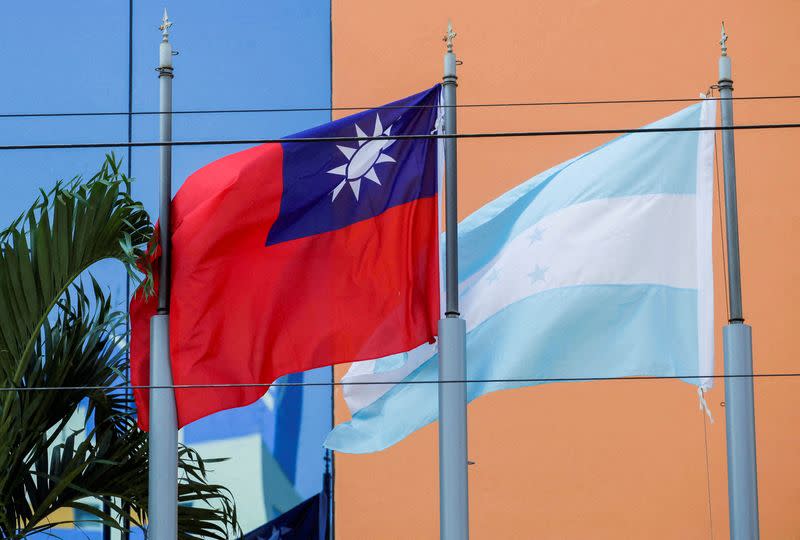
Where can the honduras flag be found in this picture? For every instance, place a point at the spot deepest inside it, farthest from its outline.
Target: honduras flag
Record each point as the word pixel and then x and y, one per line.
pixel 598 267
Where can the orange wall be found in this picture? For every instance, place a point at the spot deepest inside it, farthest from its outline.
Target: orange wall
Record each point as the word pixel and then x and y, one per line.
pixel 604 459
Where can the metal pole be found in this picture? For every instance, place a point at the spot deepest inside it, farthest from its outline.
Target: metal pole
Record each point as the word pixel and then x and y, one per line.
pixel 737 341
pixel 163 474
pixel 453 487
pixel 126 522
pixel 124 517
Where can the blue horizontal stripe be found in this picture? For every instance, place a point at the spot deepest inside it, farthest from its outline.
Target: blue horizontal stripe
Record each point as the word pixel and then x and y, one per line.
pixel 633 164
pixel 580 331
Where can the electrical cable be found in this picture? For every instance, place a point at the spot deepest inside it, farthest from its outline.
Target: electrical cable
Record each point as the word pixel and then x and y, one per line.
pixel 485 135
pixel 364 108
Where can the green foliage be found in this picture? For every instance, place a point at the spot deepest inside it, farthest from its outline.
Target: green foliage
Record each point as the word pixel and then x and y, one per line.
pixel 58 331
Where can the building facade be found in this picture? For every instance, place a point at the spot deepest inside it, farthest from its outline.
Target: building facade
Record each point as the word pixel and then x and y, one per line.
pixel 600 460
pixel 624 459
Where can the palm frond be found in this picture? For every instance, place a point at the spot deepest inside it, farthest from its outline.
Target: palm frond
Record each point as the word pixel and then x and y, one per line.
pixel 59 329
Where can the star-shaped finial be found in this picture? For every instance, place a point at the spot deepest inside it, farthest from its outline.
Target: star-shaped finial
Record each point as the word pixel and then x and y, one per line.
pixel 165 26
pixel 448 37
pixel 724 40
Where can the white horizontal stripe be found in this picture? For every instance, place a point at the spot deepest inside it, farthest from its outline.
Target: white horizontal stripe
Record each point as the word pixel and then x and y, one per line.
pixel 359 396
pixel 643 239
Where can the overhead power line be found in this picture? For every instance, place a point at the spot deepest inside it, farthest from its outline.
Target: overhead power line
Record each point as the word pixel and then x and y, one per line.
pixel 490 135
pixel 362 383
pixel 368 107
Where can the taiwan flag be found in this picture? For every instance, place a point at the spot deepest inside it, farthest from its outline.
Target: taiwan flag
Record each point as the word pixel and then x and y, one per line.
pixel 296 255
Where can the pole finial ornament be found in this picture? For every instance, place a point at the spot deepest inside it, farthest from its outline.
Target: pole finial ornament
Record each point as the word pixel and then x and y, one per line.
pixel 723 41
pixel 448 37
pixel 165 25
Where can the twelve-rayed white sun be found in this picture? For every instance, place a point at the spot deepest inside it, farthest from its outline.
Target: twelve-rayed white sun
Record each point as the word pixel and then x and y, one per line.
pixel 361 161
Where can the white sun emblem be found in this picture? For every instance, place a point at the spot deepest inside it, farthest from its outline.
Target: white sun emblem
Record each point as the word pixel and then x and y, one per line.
pixel 361 161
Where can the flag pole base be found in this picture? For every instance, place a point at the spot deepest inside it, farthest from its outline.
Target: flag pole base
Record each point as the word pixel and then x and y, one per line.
pixel 162 506
pixel 740 432
pixel 453 485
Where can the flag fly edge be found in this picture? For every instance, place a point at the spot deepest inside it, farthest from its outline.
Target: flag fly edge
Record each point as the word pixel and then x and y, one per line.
pixel 705 273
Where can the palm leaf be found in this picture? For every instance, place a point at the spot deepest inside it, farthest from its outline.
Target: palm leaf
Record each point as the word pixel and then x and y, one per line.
pixel 58 329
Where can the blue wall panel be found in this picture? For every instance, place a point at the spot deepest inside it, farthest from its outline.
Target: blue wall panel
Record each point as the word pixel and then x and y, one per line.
pixel 66 57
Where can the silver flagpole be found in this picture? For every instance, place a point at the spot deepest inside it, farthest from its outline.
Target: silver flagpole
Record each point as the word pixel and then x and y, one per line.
pixel 738 348
pixel 162 505
pixel 453 489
